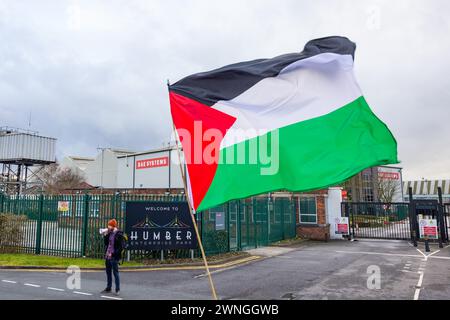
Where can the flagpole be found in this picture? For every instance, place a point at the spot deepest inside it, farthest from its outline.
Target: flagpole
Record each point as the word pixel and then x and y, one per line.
pixel 191 211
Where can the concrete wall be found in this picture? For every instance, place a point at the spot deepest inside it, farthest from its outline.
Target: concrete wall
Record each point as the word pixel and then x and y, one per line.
pixel 333 210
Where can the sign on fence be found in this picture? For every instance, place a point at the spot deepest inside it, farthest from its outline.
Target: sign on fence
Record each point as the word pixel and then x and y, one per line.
pixel 153 225
pixel 341 225
pixel 428 228
pixel 220 221
pixel 63 206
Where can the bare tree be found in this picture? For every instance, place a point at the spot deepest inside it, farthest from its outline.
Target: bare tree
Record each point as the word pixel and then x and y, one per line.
pixel 386 188
pixel 57 179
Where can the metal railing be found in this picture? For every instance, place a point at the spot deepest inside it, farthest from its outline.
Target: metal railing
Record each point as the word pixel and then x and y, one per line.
pixel 378 220
pixel 247 223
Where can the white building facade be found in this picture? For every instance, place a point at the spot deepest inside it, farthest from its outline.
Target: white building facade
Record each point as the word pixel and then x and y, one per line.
pixel 154 169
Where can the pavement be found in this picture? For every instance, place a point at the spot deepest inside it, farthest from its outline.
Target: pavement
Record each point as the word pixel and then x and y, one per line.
pixel 364 269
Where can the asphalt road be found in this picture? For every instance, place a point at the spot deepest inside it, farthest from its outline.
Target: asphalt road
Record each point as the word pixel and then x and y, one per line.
pixel 333 270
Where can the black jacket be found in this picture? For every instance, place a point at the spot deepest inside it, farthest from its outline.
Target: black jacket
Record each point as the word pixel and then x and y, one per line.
pixel 118 244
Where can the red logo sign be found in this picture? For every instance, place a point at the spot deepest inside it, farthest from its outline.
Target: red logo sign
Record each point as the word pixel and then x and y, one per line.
pixel 389 175
pixel 152 163
pixel 342 228
pixel 430 232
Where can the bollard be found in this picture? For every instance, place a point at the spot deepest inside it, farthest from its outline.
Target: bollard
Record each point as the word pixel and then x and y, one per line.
pixel 427 246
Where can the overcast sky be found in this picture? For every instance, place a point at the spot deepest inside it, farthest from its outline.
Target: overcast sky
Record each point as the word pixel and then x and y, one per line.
pixel 93 73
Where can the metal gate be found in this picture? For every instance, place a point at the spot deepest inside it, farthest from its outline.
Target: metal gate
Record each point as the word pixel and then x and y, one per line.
pixel 397 221
pixel 447 219
pixel 378 220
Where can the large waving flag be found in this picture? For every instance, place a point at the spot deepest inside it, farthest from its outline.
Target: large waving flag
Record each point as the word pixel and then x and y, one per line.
pixel 295 122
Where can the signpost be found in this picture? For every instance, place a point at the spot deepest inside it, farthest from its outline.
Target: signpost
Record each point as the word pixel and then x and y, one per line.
pixel 154 225
pixel 342 225
pixel 63 206
pixel 220 221
pixel 428 229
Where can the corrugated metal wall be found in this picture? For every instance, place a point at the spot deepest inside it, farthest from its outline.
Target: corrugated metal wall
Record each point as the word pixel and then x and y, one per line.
pixel 427 187
pixel 17 146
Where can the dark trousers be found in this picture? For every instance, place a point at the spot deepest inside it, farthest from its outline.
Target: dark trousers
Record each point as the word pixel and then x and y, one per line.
pixel 112 266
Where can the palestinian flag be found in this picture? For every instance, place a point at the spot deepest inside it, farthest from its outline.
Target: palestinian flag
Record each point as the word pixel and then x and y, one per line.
pixel 295 122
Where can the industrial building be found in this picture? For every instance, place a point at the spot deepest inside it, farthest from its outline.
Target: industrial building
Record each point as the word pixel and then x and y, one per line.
pixel 155 169
pixel 100 171
pixel 376 184
pixel 427 189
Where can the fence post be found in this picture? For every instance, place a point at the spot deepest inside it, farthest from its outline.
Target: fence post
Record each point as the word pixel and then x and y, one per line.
pixel 39 225
pixel 255 223
pixel 85 225
pixel 227 217
pixel 2 197
pixel 442 236
pixel 412 217
pixel 238 225
pixel 282 219
pixel 269 204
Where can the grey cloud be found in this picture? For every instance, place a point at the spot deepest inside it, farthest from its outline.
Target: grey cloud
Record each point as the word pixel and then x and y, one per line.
pixel 100 80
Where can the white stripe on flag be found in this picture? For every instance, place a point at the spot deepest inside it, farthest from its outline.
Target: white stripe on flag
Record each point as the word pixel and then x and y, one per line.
pixel 304 90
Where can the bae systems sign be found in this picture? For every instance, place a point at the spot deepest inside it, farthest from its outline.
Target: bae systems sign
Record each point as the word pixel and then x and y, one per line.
pixel 152 163
pixel 159 226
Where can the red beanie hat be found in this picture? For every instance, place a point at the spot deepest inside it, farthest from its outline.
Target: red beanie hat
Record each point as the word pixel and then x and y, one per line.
pixel 112 223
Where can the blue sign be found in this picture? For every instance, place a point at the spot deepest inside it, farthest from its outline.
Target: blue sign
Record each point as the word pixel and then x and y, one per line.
pixel 153 225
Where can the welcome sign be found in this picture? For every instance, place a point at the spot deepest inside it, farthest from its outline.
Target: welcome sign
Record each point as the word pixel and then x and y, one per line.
pixel 154 225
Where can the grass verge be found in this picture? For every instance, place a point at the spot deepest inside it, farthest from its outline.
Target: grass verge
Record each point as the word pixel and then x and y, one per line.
pixel 32 260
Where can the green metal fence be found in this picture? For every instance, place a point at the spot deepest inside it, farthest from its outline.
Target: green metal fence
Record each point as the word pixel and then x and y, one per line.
pixel 234 226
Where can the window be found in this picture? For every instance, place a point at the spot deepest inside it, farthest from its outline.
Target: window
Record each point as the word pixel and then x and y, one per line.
pixel 367 189
pixel 233 211
pixel 368 194
pixel 308 210
pixel 261 210
pixel 243 212
pixel 213 211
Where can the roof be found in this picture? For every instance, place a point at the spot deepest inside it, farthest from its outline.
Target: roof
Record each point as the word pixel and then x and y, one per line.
pixel 427 187
pixel 77 158
pixel 121 151
pixel 150 151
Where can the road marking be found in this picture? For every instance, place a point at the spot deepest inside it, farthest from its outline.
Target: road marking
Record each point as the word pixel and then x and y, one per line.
pixel 83 293
pixel 32 285
pixel 9 281
pixel 423 254
pixel 228 268
pixel 381 253
pixel 445 258
pixel 55 289
pixel 418 286
pixel 113 298
pixel 433 253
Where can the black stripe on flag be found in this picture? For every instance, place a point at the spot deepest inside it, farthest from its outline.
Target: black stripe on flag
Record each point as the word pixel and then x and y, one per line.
pixel 230 81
